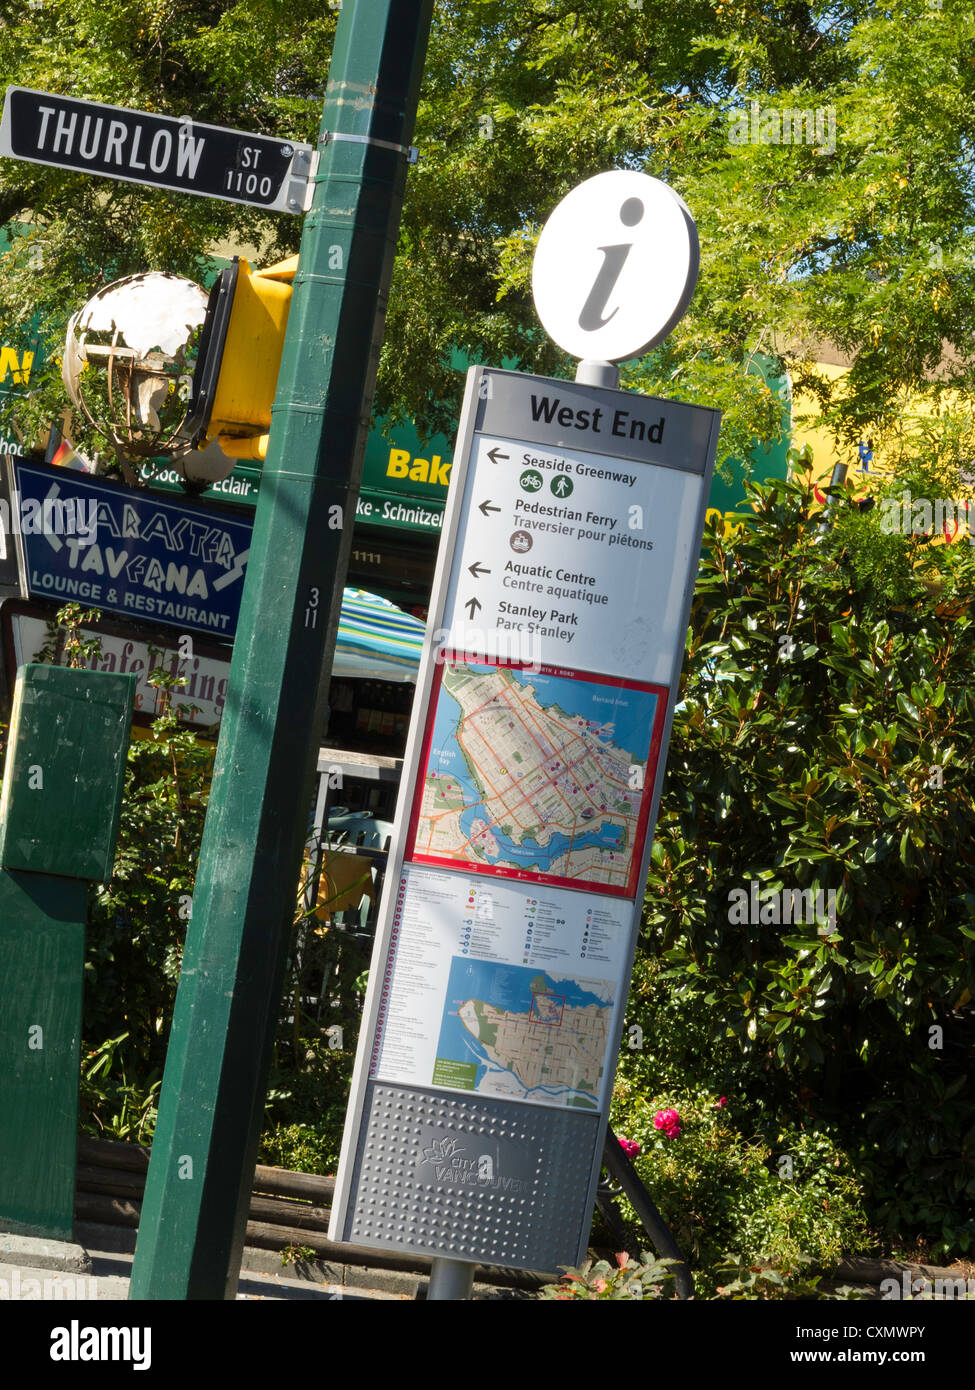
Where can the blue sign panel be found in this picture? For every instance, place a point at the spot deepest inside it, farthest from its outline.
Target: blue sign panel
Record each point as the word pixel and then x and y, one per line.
pixel 179 564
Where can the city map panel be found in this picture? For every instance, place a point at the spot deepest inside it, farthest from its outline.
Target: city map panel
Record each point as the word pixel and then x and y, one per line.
pixel 524 1033
pixel 538 774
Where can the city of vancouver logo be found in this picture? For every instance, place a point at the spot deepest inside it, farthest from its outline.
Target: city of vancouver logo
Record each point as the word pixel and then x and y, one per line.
pixel 448 1159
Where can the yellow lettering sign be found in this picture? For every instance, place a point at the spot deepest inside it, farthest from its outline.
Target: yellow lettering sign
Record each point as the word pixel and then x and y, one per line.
pixel 398 466
pixel 431 470
pixel 17 369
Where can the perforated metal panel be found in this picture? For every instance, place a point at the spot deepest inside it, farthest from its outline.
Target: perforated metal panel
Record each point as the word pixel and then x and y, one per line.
pixel 487 1181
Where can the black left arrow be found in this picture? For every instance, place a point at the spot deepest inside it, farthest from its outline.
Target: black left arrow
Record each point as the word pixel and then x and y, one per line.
pixel 495 457
pixel 486 507
pixel 477 569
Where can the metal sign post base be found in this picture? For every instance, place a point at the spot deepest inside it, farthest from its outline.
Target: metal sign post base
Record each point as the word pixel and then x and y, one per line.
pixel 450 1281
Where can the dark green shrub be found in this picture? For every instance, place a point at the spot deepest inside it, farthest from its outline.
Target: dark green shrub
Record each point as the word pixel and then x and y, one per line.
pixel 824 742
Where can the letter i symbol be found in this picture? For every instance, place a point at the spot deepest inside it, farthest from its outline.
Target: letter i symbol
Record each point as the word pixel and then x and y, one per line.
pixel 614 258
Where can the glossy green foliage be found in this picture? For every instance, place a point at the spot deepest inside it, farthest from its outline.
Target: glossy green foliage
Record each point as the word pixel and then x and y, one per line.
pixel 856 231
pixel 823 746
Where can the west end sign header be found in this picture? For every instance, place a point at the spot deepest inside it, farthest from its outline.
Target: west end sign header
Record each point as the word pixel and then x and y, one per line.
pixel 566 413
pixel 182 154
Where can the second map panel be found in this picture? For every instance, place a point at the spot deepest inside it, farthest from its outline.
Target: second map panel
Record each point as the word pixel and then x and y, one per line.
pixel 539 774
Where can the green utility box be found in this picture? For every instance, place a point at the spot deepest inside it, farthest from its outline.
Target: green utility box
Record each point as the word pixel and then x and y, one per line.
pixel 59 814
pixel 62 789
pixel 42 950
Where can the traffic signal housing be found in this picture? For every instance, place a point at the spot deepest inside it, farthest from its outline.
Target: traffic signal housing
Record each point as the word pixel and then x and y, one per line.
pixel 239 358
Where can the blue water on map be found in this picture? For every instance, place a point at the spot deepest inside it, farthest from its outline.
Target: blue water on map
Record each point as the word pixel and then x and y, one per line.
pixel 529 854
pixel 506 987
pixel 629 715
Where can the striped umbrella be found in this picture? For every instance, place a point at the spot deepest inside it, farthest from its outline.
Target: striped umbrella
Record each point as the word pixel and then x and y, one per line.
pixel 377 640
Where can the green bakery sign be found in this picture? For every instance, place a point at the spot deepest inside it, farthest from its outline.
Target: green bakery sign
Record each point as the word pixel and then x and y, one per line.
pixel 404 483
pixel 17 360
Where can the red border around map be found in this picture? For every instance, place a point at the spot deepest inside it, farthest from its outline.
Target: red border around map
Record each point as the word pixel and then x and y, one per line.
pixel 525 875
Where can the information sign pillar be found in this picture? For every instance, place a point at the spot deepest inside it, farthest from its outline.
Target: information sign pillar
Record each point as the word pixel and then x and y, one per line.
pixel 531 783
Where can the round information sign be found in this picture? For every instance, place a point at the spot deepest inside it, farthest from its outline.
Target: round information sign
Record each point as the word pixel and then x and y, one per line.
pixel 615 267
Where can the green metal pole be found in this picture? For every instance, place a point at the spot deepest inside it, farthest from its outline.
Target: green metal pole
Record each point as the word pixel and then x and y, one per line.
pixel 194 1214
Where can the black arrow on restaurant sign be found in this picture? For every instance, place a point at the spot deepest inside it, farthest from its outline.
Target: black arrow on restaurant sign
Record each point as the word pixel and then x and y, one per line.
pixel 172 152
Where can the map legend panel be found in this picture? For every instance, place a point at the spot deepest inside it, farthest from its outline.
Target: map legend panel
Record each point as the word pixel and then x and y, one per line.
pixel 506 992
pixel 542 775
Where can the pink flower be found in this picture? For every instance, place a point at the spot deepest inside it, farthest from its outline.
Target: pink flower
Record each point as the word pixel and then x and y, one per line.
pixel 720 1104
pixel 668 1121
pixel 630 1147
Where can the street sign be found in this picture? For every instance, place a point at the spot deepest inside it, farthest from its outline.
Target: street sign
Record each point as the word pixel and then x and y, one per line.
pixel 565 523
pixel 615 267
pixel 181 154
pixel 530 789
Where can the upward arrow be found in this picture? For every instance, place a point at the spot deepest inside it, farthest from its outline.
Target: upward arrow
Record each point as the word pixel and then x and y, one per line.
pixel 472 605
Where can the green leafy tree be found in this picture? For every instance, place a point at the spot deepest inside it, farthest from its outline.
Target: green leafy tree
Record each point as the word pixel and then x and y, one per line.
pixel 823 746
pixel 860 235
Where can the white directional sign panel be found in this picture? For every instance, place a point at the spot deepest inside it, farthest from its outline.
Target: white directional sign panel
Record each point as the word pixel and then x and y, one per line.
pixel 559 544
pixel 530 789
pixel 181 154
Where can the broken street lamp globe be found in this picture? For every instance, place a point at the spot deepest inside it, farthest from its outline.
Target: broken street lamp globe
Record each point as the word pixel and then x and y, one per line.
pixel 128 364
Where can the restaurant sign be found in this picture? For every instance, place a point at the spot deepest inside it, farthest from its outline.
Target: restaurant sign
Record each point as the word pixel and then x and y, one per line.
pixel 180 564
